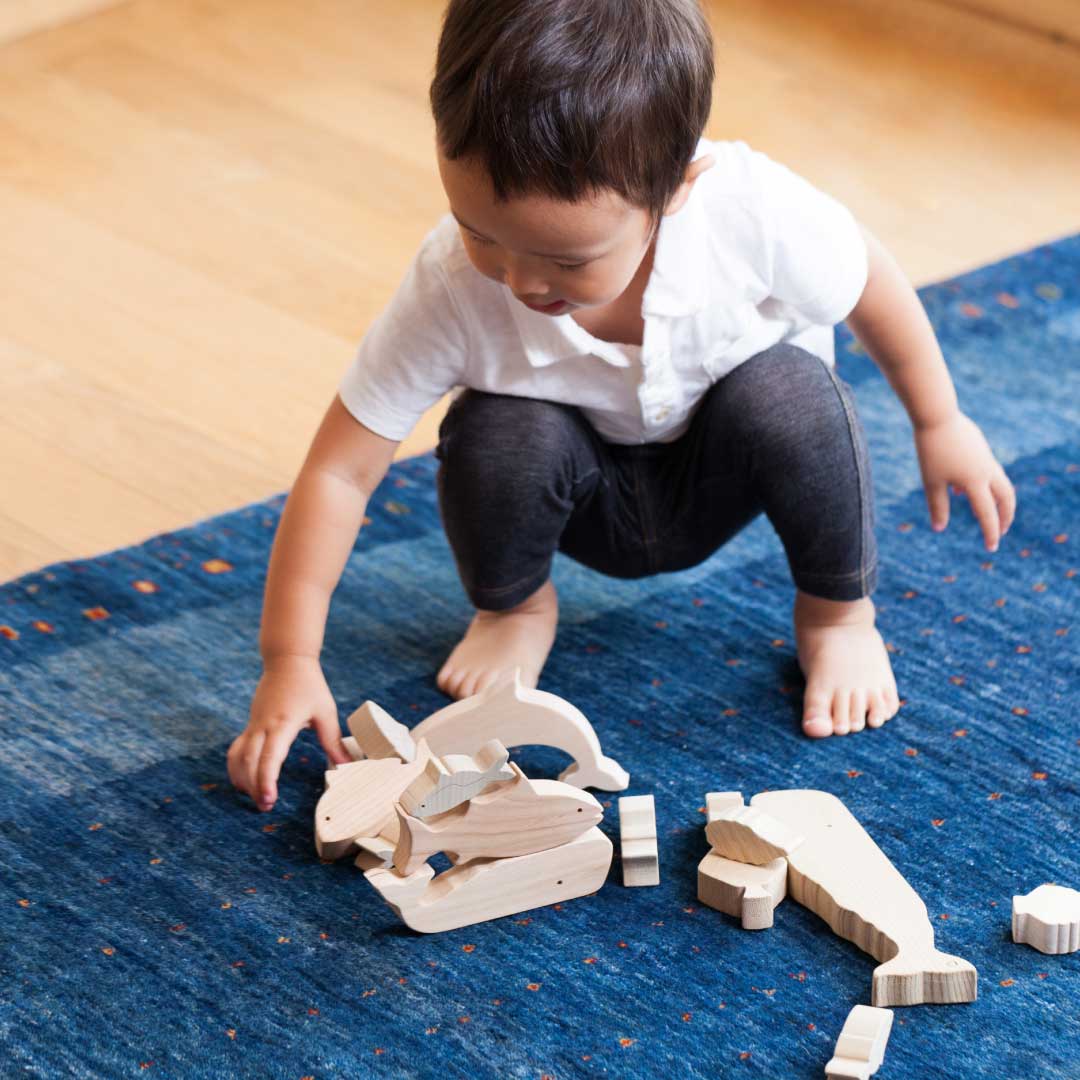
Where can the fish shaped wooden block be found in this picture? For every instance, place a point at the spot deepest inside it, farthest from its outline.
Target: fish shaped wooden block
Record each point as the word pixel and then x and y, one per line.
pixel 1048 919
pixel 842 875
pixel 514 819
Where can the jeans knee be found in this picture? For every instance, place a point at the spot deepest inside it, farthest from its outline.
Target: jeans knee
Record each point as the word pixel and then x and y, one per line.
pixel 786 400
pixel 489 440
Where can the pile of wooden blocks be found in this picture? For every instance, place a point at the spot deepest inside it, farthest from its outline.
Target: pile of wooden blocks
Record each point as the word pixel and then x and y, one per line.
pixel 448 786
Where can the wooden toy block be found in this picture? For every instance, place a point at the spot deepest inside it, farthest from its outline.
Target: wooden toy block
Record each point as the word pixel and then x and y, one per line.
pixel 455 779
pixel 518 716
pixel 637 835
pixel 860 1049
pixel 378 735
pixel 750 893
pixel 359 800
pixel 842 875
pixel 747 834
pixel 517 818
pixel 352 748
pixel 718 801
pixel 1048 919
pixel 376 850
pixel 485 889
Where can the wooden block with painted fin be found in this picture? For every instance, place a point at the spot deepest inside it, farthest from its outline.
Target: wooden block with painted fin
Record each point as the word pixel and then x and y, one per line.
pixel 455 779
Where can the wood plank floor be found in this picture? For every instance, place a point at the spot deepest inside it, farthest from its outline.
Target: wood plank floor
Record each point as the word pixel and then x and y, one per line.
pixel 204 203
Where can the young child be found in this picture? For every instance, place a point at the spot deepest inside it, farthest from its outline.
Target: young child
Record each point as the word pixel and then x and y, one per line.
pixel 642 322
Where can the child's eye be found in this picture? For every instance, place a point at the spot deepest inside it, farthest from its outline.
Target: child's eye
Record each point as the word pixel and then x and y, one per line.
pixel 478 239
pixel 570 266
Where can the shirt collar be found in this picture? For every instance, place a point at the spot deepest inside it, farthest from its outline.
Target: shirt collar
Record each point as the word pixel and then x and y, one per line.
pixel 678 285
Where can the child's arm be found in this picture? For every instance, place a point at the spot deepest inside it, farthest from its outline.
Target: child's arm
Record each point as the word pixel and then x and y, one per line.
pixel 318 528
pixel 891 323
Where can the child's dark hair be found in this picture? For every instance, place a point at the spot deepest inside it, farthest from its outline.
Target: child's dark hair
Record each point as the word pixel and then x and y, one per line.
pixel 568 97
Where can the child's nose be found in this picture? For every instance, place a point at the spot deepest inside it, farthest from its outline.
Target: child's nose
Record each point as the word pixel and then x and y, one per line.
pixel 524 282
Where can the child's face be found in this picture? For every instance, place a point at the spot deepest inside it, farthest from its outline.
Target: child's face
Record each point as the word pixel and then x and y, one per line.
pixel 554 256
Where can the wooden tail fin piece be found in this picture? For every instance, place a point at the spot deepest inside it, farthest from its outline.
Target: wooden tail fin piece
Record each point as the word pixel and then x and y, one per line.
pixel 842 875
pixel 860 1049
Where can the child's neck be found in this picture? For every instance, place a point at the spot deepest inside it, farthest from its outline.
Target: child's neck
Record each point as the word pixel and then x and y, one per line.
pixel 621 321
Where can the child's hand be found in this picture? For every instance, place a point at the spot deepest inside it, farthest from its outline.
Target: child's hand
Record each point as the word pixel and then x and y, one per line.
pixel 956 453
pixel 292 694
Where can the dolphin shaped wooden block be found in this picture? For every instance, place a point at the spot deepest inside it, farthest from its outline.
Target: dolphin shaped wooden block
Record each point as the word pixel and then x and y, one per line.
pixel 514 819
pixel 455 779
pixel 518 716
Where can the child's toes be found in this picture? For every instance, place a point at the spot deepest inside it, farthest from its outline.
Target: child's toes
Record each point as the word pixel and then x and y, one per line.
pixel 857 716
pixel 817 718
pixel 841 713
pixel 877 712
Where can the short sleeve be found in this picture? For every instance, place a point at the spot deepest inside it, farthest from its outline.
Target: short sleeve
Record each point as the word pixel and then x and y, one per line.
pixel 815 250
pixel 412 354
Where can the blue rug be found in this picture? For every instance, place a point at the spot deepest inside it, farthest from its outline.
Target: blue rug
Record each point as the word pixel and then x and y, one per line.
pixel 154 924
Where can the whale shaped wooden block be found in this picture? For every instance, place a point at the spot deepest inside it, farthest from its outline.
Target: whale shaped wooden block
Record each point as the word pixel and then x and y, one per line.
pixel 1048 919
pixel 748 892
pixel 860 1049
pixel 842 875
pixel 378 735
pixel 485 889
pixel 518 818
pixel 518 716
pixel 456 778
pixel 749 835
pixel 359 800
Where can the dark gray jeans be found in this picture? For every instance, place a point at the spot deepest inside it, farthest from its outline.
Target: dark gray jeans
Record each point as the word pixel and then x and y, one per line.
pixel 521 478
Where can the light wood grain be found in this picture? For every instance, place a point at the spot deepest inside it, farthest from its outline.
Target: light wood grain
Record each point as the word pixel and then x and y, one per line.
pixel 860 1049
pixel 204 204
pixel 1048 919
pixel 839 873
pixel 637 840
pixel 21 17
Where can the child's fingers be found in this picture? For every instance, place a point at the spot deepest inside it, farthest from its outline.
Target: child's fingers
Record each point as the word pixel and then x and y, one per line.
pixel 1005 497
pixel 328 731
pixel 937 498
pixel 986 513
pixel 243 761
pixel 275 750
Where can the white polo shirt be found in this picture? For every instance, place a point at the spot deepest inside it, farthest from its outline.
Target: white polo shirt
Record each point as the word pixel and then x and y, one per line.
pixel 755 256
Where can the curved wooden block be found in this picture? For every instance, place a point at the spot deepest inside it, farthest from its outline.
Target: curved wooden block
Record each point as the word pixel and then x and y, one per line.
pixel 1048 919
pixel 491 888
pixel 637 840
pixel 378 735
pixel 749 893
pixel 842 875
pixel 518 716
pixel 749 835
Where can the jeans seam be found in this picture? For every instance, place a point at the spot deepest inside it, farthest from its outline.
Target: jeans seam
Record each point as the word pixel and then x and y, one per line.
pixel 863 573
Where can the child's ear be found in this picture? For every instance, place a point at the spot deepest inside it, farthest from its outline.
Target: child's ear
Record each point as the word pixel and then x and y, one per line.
pixel 693 171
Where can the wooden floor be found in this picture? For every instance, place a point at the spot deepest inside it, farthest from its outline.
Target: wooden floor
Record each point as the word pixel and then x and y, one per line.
pixel 203 203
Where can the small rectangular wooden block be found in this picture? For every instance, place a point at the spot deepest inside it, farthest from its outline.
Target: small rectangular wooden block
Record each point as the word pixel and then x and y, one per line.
pixel 637 833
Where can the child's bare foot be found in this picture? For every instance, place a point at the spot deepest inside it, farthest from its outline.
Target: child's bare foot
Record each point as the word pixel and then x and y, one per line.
pixel 499 641
pixel 849 680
